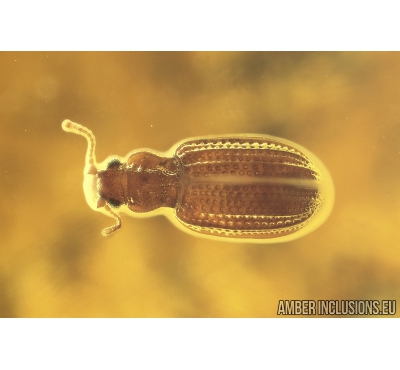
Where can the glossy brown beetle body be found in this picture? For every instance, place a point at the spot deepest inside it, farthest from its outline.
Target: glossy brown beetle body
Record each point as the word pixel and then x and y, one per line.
pixel 247 187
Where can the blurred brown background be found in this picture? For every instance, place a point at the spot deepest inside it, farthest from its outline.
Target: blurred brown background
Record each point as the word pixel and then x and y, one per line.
pixel 54 262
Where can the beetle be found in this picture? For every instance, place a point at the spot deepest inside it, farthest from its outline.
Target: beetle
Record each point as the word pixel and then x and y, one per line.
pixel 247 187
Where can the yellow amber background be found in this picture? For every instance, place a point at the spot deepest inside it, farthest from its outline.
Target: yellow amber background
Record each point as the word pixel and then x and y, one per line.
pixel 344 107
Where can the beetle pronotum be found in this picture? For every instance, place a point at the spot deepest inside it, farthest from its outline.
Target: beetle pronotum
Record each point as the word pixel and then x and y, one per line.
pixel 242 187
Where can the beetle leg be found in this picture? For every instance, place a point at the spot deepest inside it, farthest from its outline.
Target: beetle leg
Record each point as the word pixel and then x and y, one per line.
pixel 109 230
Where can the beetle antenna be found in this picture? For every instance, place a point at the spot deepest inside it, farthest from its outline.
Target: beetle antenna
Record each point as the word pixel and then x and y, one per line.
pixel 109 230
pixel 76 128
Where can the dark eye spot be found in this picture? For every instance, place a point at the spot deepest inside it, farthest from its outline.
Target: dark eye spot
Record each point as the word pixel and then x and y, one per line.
pixel 114 163
pixel 114 202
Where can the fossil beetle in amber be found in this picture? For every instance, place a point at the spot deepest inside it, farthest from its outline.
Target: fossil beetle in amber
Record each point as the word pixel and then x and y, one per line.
pixel 245 187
